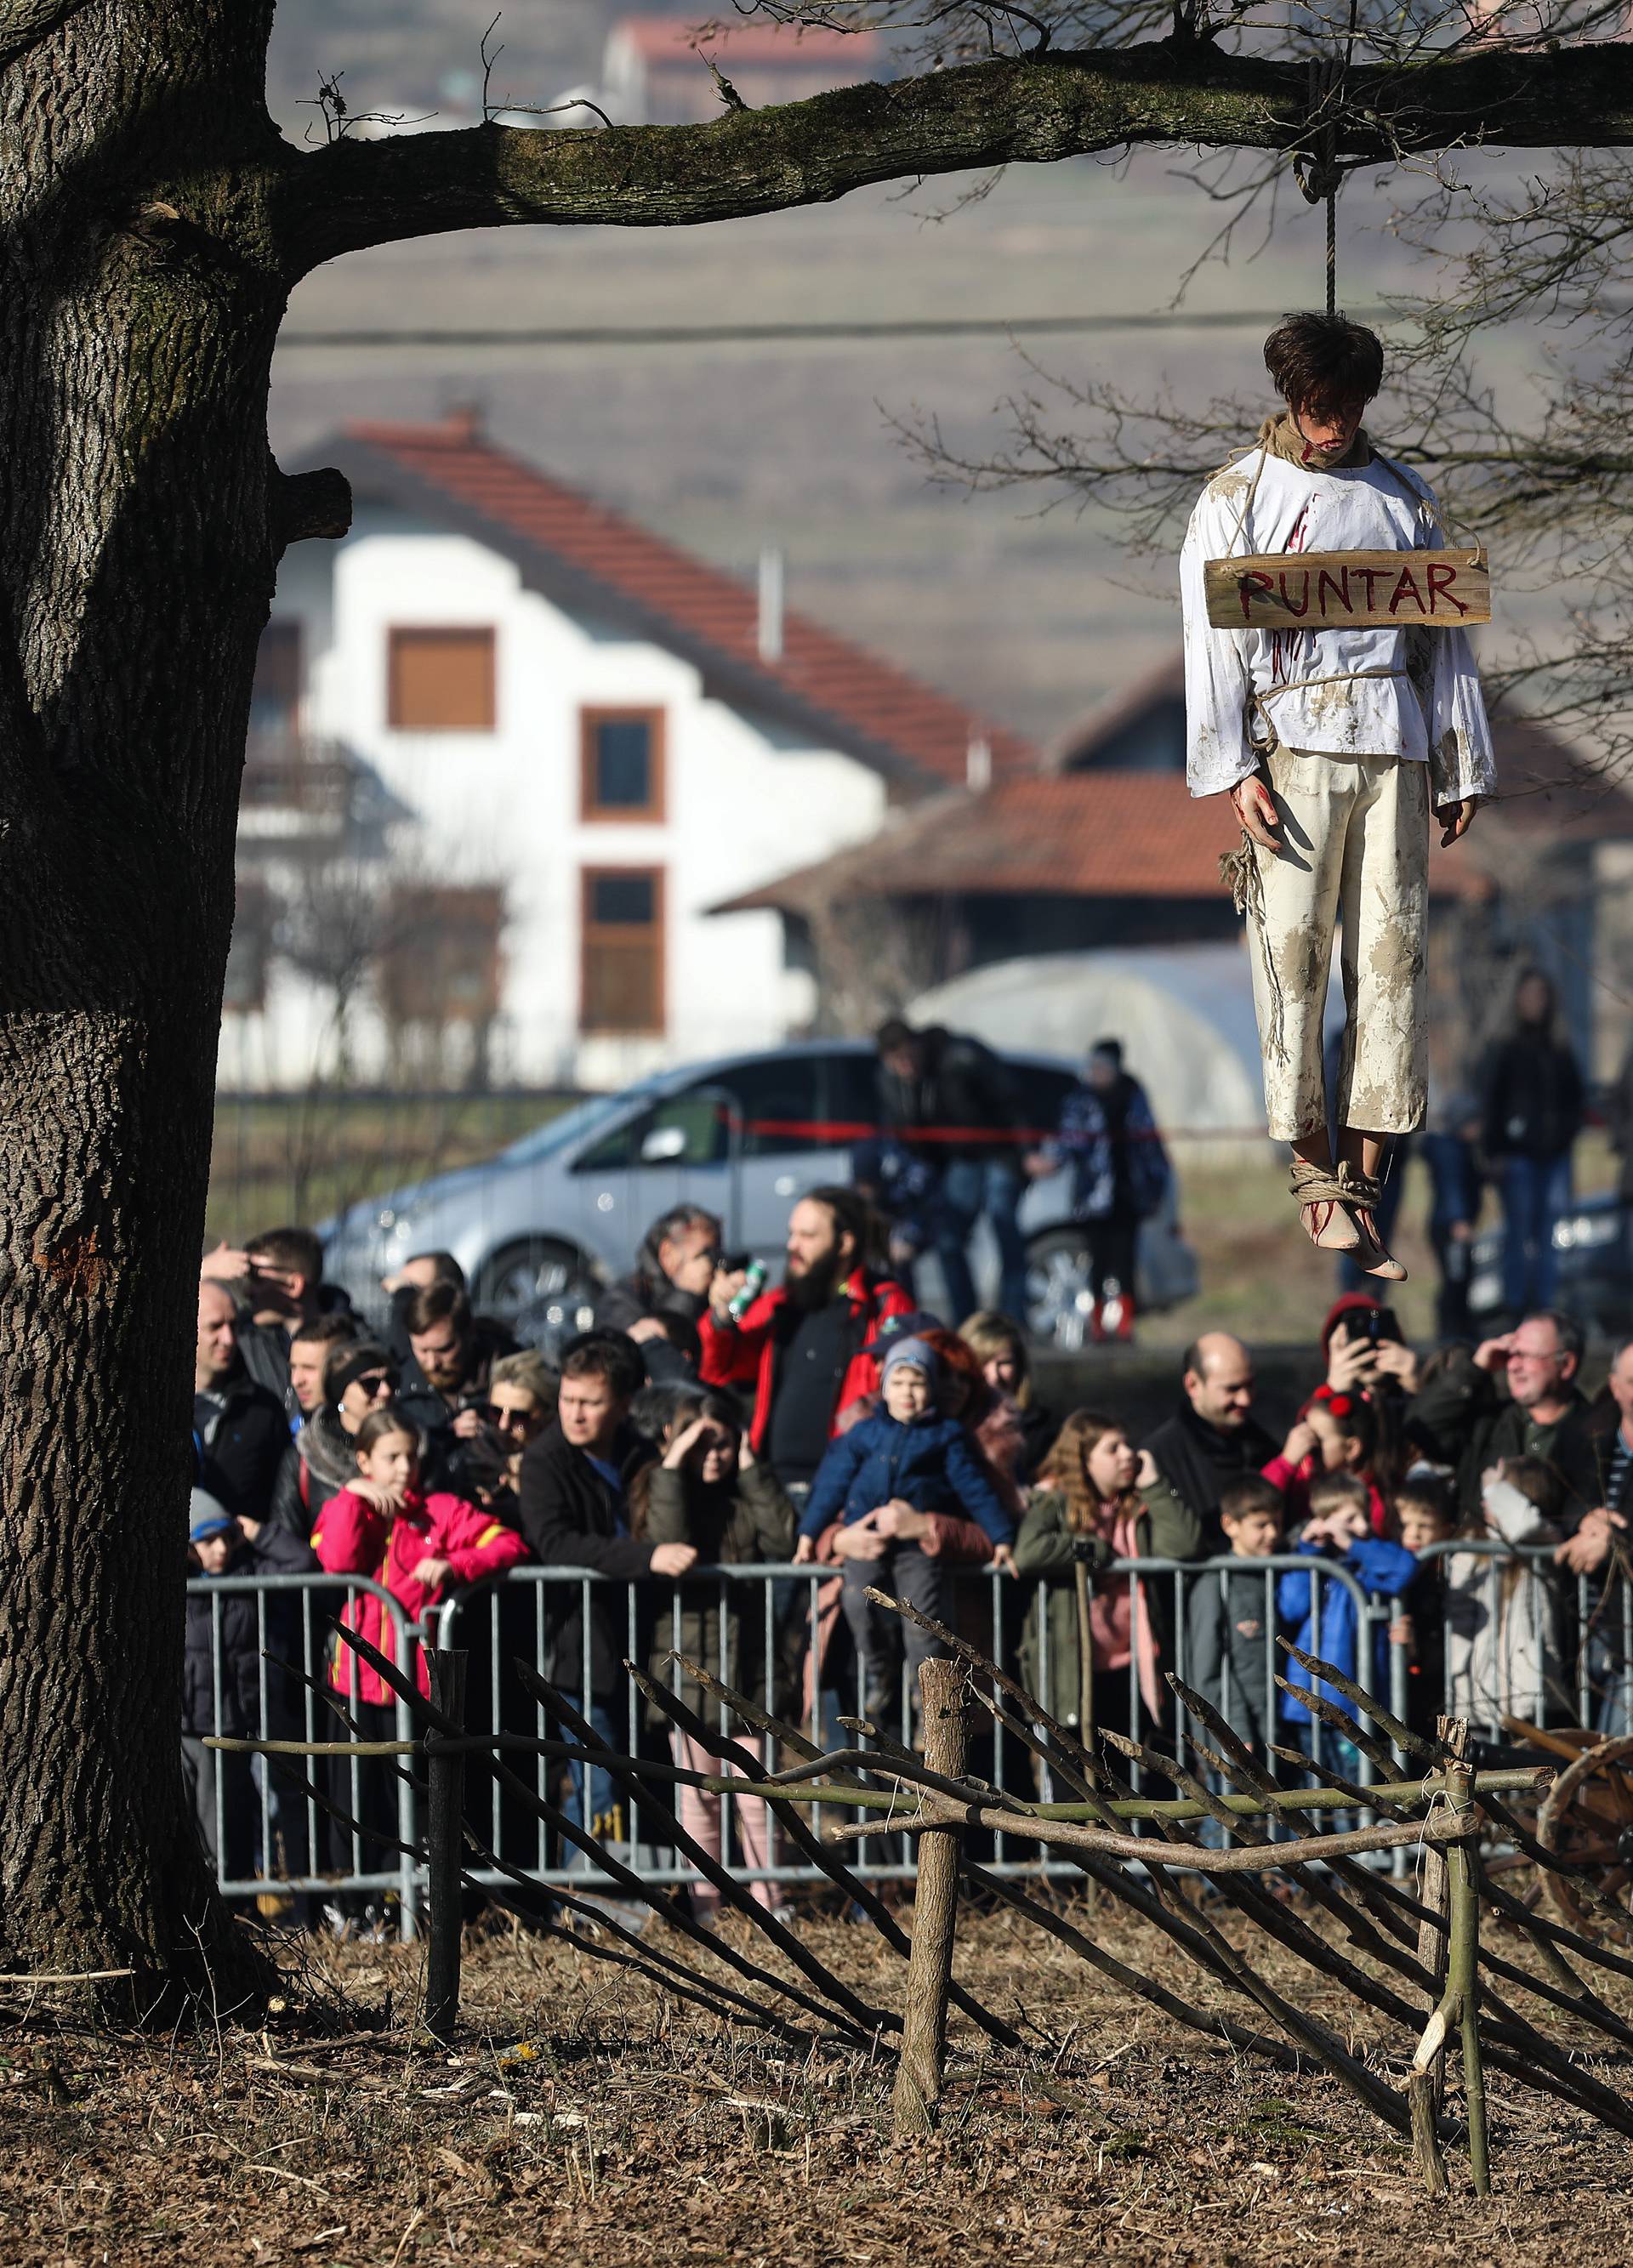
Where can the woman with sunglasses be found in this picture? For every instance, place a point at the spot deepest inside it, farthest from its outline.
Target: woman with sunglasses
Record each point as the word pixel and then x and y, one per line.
pixel 520 1403
pixel 359 1378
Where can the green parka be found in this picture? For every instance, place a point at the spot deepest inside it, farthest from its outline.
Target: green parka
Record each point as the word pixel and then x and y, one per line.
pixel 1047 1549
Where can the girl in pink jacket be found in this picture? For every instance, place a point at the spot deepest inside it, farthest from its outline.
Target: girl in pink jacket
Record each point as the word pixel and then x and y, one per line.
pixel 412 1545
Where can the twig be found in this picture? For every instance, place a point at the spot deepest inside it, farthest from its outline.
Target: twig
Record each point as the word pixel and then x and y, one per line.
pixel 68 1976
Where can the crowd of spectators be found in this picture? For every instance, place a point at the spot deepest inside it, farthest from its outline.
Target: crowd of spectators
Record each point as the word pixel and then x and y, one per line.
pixel 826 1423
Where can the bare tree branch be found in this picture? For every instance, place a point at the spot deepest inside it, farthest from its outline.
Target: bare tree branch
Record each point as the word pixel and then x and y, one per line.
pixel 1037 109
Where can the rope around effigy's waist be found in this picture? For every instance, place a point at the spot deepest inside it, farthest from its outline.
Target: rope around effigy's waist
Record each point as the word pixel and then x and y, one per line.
pixel 1339 677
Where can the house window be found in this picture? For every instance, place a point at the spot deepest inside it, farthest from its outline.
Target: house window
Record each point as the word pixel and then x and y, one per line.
pixel 622 950
pixel 441 680
pixel 275 695
pixel 438 954
pixel 623 763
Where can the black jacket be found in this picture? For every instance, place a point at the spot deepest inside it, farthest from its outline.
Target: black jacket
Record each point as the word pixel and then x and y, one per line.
pixel 1200 1464
pixel 1531 1100
pixel 570 1518
pixel 241 1435
pixel 1040 1427
pixel 962 1085
pixel 647 1291
pixel 1424 1599
pixel 1603 1422
pixel 273 1552
pixel 1461 1419
pixel 1567 1449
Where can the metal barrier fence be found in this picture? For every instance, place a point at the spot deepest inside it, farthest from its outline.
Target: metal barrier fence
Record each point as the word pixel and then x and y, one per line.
pixel 1521 1640
pixel 263 1828
pixel 1526 1639
pixel 765 1630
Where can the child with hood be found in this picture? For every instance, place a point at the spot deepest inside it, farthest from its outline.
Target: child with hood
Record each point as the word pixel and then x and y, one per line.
pixel 907 1458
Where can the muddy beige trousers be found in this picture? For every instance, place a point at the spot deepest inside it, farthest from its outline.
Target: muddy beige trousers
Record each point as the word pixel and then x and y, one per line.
pixel 1355 854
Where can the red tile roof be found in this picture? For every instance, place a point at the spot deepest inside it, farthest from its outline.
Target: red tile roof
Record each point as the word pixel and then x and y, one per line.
pixel 1099 835
pixel 853 699
pixel 1105 834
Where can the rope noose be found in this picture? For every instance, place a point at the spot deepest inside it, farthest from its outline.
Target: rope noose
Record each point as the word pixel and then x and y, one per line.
pixel 1315 166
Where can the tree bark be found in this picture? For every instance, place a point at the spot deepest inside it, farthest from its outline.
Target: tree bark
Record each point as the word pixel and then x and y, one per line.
pixel 136 574
pixel 1036 110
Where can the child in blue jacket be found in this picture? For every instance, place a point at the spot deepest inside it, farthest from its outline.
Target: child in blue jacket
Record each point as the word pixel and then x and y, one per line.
pixel 1339 1531
pixel 909 1459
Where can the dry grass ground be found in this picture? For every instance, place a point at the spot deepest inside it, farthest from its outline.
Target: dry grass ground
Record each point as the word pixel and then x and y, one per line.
pixel 584 2116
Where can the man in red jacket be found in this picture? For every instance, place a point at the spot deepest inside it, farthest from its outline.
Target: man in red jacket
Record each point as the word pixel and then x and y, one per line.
pixel 801 1345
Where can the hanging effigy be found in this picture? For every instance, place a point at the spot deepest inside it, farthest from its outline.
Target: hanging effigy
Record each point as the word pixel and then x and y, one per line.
pixel 1331 692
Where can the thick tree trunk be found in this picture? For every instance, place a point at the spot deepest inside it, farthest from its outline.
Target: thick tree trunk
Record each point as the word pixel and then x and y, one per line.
pixel 136 573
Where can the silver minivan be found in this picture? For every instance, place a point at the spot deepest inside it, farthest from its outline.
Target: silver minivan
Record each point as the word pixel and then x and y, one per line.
pixel 542 1227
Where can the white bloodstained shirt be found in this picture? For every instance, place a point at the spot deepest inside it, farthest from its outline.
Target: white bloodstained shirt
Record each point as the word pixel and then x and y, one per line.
pixel 1392 691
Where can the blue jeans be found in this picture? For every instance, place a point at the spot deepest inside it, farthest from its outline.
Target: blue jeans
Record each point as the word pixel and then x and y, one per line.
pixel 969 1189
pixel 1535 1192
pixel 606 1797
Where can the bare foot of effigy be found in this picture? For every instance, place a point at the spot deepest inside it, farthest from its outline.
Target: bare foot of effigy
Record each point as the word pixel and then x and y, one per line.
pixel 1326 1199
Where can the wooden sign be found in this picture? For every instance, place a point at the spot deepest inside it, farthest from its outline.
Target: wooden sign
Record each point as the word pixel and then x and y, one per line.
pixel 1349 589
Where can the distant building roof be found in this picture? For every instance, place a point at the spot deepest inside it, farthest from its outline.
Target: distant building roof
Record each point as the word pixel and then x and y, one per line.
pixel 1106 835
pixel 1092 835
pixel 1543 785
pixel 582 554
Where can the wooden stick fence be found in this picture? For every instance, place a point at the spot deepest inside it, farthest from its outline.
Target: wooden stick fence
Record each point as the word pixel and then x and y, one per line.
pixel 1424 1968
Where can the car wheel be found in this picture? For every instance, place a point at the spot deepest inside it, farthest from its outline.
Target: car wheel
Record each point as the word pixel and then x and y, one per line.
pixel 1059 1298
pixel 542 1289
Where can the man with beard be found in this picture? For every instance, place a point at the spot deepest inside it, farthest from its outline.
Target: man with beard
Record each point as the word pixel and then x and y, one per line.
pixel 801 1345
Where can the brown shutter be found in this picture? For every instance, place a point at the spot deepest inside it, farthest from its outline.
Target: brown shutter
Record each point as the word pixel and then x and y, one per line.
pixel 441 680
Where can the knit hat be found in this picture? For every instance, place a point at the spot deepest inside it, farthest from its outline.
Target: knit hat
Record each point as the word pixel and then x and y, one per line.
pixel 915 1355
pixel 352 1363
pixel 208 1517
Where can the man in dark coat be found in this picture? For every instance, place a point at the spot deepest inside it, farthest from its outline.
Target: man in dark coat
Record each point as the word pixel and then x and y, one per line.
pixel 1472 1425
pixel 239 1430
pixel 1532 1111
pixel 1213 1440
pixel 573 1511
pixel 950 1101
pixel 1107 1139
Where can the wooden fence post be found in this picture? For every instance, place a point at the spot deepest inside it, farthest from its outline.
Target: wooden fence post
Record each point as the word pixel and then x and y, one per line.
pixel 1463 1957
pixel 935 1913
pixel 444 1844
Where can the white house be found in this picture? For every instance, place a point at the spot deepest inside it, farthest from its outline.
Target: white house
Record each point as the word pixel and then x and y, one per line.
pixel 506 749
